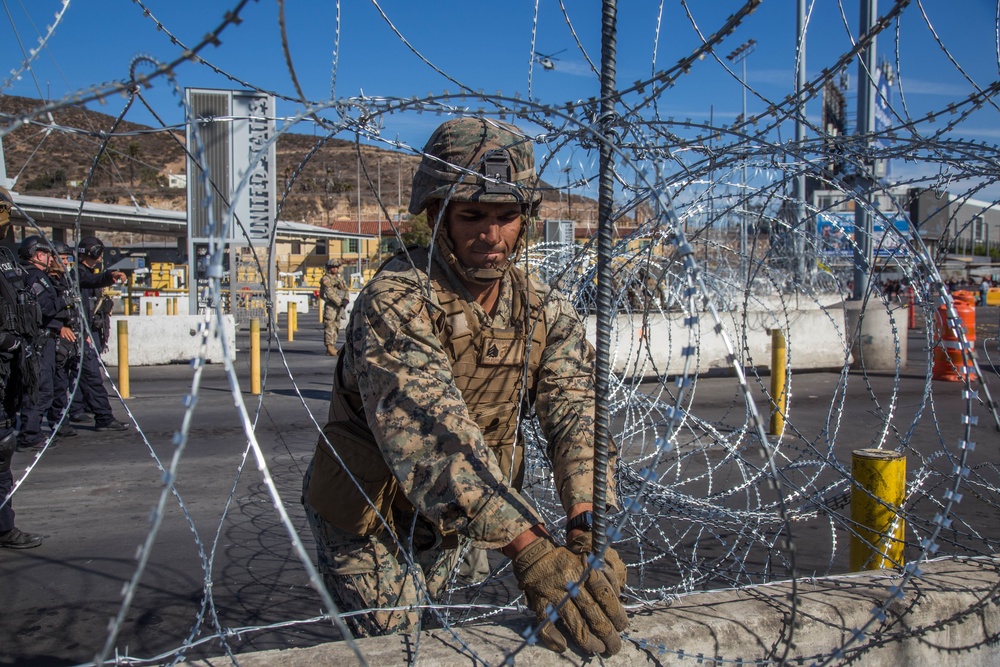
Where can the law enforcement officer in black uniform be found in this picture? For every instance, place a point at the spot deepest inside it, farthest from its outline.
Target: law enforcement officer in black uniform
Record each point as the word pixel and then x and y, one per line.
pixel 96 307
pixel 67 351
pixel 36 257
pixel 19 321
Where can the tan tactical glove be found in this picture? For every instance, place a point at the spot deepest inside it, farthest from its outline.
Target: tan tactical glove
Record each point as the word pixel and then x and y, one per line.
pixel 583 544
pixel 593 618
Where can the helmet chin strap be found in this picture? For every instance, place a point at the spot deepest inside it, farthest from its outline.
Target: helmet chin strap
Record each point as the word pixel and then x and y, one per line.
pixel 481 276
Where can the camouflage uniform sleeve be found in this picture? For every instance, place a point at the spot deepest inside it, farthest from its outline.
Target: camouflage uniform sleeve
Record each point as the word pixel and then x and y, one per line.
pixel 422 426
pixel 565 403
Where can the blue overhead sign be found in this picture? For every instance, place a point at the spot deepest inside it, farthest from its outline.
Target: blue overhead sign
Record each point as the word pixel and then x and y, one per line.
pixel 836 235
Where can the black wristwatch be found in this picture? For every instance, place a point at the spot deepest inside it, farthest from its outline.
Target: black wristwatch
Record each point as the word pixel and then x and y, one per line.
pixel 582 521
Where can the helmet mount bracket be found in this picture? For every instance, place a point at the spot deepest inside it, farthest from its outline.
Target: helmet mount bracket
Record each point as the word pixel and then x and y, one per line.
pixel 497 170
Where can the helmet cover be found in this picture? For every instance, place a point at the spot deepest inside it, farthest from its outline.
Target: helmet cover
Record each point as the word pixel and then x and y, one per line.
pixel 475 159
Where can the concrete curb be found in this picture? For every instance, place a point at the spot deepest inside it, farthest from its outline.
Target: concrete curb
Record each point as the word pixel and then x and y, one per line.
pixel 950 616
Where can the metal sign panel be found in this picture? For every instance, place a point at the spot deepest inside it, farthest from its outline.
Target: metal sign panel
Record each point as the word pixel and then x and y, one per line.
pixel 213 140
pixel 235 129
pixel 559 231
pixel 253 158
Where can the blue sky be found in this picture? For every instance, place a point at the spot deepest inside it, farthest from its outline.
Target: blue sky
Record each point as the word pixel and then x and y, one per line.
pixel 488 47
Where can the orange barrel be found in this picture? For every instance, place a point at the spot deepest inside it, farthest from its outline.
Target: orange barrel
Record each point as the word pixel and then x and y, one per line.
pixel 950 362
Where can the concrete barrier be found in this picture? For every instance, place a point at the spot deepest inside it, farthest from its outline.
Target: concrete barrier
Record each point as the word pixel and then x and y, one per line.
pixel 655 345
pixel 301 302
pixel 168 339
pixel 950 616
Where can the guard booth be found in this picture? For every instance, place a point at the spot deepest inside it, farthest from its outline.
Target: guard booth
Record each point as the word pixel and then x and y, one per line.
pixel 231 241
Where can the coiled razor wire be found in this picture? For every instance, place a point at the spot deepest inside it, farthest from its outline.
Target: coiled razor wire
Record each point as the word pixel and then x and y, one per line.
pixel 710 500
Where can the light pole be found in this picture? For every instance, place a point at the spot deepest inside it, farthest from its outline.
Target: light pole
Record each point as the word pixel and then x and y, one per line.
pixel 359 212
pixel 739 55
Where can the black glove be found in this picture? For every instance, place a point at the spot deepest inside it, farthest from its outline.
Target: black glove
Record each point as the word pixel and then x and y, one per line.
pixel 593 618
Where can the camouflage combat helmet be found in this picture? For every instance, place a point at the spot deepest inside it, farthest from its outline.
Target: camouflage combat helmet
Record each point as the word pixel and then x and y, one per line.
pixel 476 160
pixel 462 152
pixel 332 262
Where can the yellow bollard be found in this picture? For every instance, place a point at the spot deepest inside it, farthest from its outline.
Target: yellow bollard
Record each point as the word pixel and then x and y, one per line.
pixel 173 306
pixel 779 394
pixel 130 283
pixel 170 306
pixel 319 307
pixel 290 321
pixel 877 495
pixel 293 310
pixel 255 356
pixel 123 388
pixel 149 308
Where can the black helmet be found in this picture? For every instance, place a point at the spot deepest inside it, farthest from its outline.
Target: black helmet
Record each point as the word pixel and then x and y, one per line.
pixel 62 248
pixel 32 244
pixel 91 246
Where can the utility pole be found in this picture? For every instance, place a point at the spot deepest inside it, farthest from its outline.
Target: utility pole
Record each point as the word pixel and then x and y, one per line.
pixel 739 55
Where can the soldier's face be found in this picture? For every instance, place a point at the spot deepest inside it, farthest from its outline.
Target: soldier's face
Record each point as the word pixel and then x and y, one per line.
pixel 484 235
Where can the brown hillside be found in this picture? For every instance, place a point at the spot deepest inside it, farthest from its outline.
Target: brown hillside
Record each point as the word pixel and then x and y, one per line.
pixel 53 158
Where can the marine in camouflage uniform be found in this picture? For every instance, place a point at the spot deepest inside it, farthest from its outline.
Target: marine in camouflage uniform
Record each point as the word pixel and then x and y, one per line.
pixel 447 350
pixel 333 293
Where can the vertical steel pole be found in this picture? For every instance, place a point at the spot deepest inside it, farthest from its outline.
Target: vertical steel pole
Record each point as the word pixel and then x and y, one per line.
pixel 863 225
pixel 609 22
pixel 803 270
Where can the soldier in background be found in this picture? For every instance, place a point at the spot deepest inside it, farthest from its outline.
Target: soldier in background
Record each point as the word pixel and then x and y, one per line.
pixel 334 295
pixel 18 327
pixel 447 350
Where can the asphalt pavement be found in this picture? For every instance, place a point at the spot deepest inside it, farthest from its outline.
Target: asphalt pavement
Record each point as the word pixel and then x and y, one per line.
pixel 94 498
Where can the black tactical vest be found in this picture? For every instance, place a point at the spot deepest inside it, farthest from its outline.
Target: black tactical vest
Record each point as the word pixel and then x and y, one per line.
pixel 21 316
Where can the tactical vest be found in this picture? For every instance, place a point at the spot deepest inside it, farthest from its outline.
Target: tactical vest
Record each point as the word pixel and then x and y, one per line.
pixel 494 369
pixel 19 315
